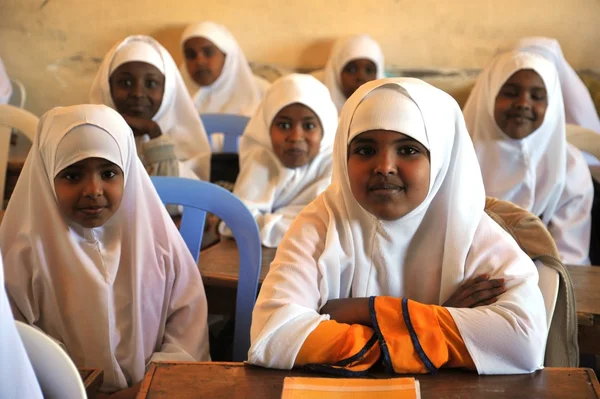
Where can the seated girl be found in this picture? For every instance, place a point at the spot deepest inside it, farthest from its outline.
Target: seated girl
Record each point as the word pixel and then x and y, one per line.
pixel 285 154
pixel 139 79
pixel 354 61
pixel 374 270
pixel 92 257
pixel 216 72
pixel 515 115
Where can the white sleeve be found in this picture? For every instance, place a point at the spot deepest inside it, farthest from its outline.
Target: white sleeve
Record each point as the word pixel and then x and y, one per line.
pixel 571 224
pixel 509 336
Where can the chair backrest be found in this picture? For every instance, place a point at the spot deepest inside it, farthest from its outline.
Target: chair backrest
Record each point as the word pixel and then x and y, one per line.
pixel 12 117
pixel 230 125
pixel 19 95
pixel 56 373
pixel 197 198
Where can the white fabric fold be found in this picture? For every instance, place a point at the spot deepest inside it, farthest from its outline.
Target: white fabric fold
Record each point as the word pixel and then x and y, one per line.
pixel 17 378
pixel 274 193
pixel 540 172
pixel 176 115
pixel 237 90
pixel 5 85
pixel 115 296
pixel 336 249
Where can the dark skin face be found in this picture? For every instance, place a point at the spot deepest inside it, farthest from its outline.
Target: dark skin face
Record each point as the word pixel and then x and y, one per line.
pixel 388 172
pixel 137 90
pixel 521 104
pixel 203 60
pixel 356 73
pixel 296 135
pixel 89 192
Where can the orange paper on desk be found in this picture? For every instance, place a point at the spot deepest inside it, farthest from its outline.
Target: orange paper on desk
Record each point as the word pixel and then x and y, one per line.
pixel 343 388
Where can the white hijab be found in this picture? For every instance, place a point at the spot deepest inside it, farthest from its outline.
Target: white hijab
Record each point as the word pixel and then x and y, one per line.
pixel 116 296
pixel 344 51
pixel 236 90
pixel 425 255
pixel 274 193
pixel 579 106
pixel 176 115
pixel 17 378
pixel 529 172
pixel 5 85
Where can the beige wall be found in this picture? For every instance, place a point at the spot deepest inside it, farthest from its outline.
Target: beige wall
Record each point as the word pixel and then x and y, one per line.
pixel 55 46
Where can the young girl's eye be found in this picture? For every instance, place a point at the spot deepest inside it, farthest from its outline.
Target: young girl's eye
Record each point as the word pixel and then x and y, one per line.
pixel 190 54
pixel 70 176
pixel 309 126
pixel 364 151
pixel 125 83
pixel 284 125
pixel 509 92
pixel 151 84
pixel 371 71
pixel 350 68
pixel 109 174
pixel 408 150
pixel 209 52
pixel 538 95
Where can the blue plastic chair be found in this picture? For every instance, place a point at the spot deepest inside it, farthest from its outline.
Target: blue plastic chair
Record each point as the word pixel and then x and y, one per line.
pixel 231 125
pixel 198 197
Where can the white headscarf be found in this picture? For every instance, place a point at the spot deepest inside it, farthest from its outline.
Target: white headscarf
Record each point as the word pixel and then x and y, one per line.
pixel 17 378
pixel 529 172
pixel 236 90
pixel 5 85
pixel 344 51
pixel 276 194
pixel 116 296
pixel 579 106
pixel 425 255
pixel 176 115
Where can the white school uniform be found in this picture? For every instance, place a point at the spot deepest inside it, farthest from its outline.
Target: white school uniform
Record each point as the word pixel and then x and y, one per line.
pixel 116 296
pixel 5 85
pixel 336 249
pixel 176 117
pixel 542 172
pixel 17 378
pixel 237 90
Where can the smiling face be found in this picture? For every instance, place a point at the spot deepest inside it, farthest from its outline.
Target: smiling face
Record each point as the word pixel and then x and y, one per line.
pixel 203 60
pixel 89 192
pixel 356 73
pixel 521 104
pixel 388 173
pixel 137 89
pixel 296 134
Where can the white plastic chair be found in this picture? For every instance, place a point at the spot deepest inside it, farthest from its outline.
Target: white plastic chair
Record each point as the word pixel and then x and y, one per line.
pixel 25 122
pixel 19 95
pixel 548 283
pixel 56 373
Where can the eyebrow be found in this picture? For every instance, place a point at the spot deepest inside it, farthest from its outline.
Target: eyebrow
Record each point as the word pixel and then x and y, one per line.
pixel 287 118
pixel 363 140
pixel 517 85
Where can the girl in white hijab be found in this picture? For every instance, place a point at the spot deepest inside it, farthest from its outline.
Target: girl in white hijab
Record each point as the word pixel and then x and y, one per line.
pixel 216 72
pixel 17 378
pixel 579 106
pixel 353 61
pixel 364 269
pixel 93 259
pixel 515 115
pixel 139 78
pixel 285 154
pixel 5 85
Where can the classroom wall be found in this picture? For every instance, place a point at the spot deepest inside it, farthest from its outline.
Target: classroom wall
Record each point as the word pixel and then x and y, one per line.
pixel 55 46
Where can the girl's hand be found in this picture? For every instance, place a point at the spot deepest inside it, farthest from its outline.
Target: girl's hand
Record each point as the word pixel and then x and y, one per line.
pixel 479 291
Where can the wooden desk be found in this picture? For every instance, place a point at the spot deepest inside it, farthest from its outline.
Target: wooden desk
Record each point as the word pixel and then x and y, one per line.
pixel 587 294
pixel 235 380
pixel 92 380
pixel 220 264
